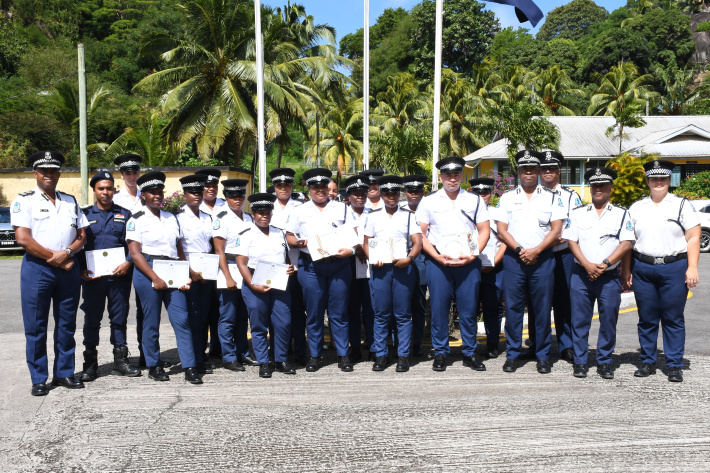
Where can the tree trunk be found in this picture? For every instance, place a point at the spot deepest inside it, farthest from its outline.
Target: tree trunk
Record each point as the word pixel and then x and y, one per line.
pixel 621 136
pixel 281 152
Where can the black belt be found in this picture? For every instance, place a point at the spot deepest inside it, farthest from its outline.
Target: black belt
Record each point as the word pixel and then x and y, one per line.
pixel 659 259
pixel 154 257
pixel 562 252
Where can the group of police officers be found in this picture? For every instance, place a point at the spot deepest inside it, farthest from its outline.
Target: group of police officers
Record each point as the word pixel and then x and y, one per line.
pixel 540 248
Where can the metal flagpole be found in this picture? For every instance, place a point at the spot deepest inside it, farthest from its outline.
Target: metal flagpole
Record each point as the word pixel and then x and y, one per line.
pixel 82 128
pixel 366 91
pixel 260 96
pixel 437 92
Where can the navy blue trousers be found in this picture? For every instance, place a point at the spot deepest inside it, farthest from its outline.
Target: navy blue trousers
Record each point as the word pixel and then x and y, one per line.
pixel 391 290
pixel 269 312
pixel 491 300
pixel 360 312
pixel 444 282
pixel 533 283
pixel 419 300
pixel 661 294
pixel 199 298
pixel 606 291
pixel 175 303
pixel 326 286
pixel 561 305
pixel 298 316
pixel 96 293
pixel 212 329
pixel 233 325
pixel 43 286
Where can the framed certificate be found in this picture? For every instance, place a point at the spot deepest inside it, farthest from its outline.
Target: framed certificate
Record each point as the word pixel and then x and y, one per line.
pixel 205 264
pixel 103 262
pixel 386 250
pixel 271 274
pixel 175 273
pixel 324 244
pixel 236 275
pixel 459 244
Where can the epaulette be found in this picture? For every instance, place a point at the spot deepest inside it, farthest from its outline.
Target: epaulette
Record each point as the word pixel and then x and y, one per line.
pixel 121 207
pixel 84 208
pixel 244 231
pixel 28 193
pixel 580 206
pixel 139 214
pixel 619 206
pixel 222 214
pixel 375 210
pixel 552 191
pixel 408 210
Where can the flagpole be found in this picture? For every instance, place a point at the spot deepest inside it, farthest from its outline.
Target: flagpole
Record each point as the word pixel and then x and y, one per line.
pixel 437 92
pixel 366 91
pixel 260 95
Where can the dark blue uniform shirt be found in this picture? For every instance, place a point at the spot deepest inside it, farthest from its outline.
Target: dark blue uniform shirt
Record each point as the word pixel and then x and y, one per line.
pixel 107 229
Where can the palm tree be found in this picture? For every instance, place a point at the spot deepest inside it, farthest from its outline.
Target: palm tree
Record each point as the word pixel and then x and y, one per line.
pixel 557 91
pixel 147 141
pixel 400 105
pixel 678 90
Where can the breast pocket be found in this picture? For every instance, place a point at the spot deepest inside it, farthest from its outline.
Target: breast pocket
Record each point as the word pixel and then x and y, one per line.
pixel 544 217
pixel 95 228
pixel 40 214
pixel 118 227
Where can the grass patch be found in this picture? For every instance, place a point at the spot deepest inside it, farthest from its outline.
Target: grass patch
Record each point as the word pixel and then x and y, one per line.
pixel 12 254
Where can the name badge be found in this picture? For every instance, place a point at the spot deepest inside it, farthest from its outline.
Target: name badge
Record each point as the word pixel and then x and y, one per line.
pixel 91 222
pixel 44 210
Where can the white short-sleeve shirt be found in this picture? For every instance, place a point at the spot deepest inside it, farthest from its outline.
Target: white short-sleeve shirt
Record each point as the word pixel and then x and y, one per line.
pixel 401 224
pixel 158 236
pixel 123 199
pixel 280 214
pixel 196 231
pixel 448 217
pixel 488 255
pixel 599 235
pixel 570 199
pixel 257 246
pixel 658 227
pixel 307 219
pixel 52 225
pixel 529 219
pixel 219 206
pixel 230 227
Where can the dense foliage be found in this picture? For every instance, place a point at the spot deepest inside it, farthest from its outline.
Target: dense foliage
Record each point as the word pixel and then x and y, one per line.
pixel 695 186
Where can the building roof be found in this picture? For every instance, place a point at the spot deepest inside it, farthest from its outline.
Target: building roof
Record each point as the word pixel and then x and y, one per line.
pixel 585 138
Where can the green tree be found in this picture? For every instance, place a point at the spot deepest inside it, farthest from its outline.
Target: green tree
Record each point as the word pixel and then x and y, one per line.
pixel 145 140
pixel 340 132
pixel 668 32
pixel 400 105
pixel 678 90
pixel 557 91
pixel 572 20
pixel 613 46
pixel 12 45
pixel 507 42
pixel 401 150
pixel 630 185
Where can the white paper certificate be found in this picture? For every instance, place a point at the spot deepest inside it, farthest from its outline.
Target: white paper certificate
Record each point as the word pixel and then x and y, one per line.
pixel 205 264
pixel 271 274
pixel 386 250
pixel 459 244
pixel 236 275
pixel 103 262
pixel 175 273
pixel 327 243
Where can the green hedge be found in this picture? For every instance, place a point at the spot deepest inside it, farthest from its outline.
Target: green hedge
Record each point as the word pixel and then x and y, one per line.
pixel 704 26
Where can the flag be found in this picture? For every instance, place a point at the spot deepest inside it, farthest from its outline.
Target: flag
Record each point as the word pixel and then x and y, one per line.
pixel 525 10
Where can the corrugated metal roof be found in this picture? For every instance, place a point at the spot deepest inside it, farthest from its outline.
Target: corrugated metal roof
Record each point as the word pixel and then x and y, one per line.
pixel 585 137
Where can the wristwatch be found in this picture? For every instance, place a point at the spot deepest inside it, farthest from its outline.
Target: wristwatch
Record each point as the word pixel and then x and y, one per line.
pixel 70 252
pixel 607 263
pixel 519 249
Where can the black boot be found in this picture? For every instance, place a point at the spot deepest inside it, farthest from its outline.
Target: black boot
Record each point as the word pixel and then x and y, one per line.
pixel 91 364
pixel 121 367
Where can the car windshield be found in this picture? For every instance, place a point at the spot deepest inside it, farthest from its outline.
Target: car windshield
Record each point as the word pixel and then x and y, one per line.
pixel 5 215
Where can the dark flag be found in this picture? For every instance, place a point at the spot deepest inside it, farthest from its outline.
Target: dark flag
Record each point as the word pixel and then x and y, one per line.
pixel 525 10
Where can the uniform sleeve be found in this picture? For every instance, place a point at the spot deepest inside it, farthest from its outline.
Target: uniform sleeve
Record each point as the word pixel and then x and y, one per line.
pixel 483 215
pixel 244 243
pixel 569 232
pixel 627 229
pixel 369 227
pixel 422 213
pixel 21 212
pixel 293 222
pixel 559 212
pixel 575 201
pixel 82 221
pixel 133 230
pixel 500 213
pixel 689 216
pixel 219 229
pixel 414 227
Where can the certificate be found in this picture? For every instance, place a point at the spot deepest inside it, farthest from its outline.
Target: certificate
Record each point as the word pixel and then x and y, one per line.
pixel 362 270
pixel 327 243
pixel 271 274
pixel 205 264
pixel 458 245
pixel 103 262
pixel 175 273
pixel 386 250
pixel 236 275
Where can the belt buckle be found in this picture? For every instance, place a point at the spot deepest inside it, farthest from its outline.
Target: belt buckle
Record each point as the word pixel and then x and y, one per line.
pixel 658 260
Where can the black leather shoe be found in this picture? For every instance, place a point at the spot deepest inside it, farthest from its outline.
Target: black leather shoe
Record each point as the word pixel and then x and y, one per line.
pixel 165 363
pixel 417 350
pixel 567 355
pixel 249 360
pixel 314 364
pixel 439 363
pixel 372 356
pixel 527 355
pixel 544 367
pixel 39 389
pixel 192 377
pixel 510 366
pixel 233 366
pixel 474 363
pixel 157 373
pixel 402 364
pixel 204 368
pixel 344 364
pixel 91 365
pixel 265 370
pixel 645 370
pixel 675 375
pixel 606 371
pixel 493 353
pixel 285 367
pixel 300 360
pixel 70 383
pixel 580 371
pixel 380 364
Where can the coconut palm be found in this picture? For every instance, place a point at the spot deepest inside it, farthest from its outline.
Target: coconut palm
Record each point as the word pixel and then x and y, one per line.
pixel 400 105
pixel 557 91
pixel 678 90
pixel 340 134
pixel 146 141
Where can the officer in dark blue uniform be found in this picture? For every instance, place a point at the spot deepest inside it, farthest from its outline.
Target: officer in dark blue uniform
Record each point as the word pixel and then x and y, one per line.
pixel 50 227
pixel 106 230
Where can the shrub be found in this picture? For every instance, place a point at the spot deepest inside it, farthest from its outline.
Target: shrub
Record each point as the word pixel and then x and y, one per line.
pixel 173 202
pixel 630 185
pixel 696 186
pixel 704 26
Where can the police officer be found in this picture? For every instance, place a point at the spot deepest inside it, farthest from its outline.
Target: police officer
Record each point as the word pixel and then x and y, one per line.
pixel 550 169
pixel 414 190
pixel 359 302
pixel 196 239
pixel 50 227
pixel 529 223
pixel 228 229
pixel 106 230
pixel 154 234
pixel 600 235
pixel 373 193
pixel 491 273
pixel 325 282
pixel 392 284
pixel 268 307
pixel 282 181
pixel 442 215
pixel 664 268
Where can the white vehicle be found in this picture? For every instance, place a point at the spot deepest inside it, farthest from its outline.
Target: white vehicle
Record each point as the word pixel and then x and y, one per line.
pixel 703 208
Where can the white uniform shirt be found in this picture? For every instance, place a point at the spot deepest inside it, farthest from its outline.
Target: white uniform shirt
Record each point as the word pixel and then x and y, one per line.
pixel 123 199
pixel 219 206
pixel 657 233
pixel 370 206
pixel 157 236
pixel 52 226
pixel 307 219
pixel 488 255
pixel 570 199
pixel 597 234
pixel 280 214
pixel 529 219
pixel 356 221
pixel 402 224
pixel 196 231
pixel 229 226
pixel 447 217
pixel 269 248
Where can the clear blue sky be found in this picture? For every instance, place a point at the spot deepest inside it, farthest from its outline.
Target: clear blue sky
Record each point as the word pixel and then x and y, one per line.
pixel 348 15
